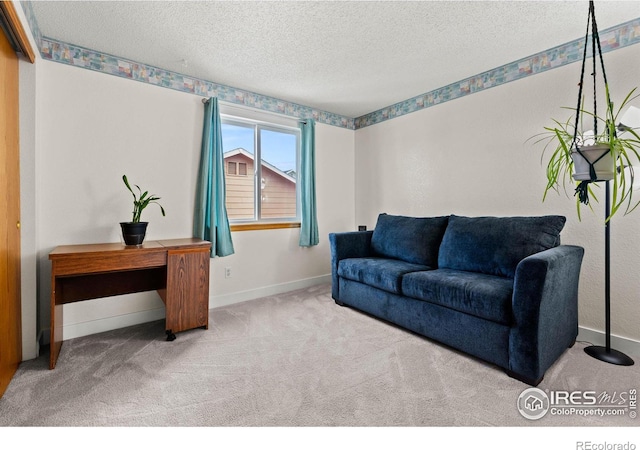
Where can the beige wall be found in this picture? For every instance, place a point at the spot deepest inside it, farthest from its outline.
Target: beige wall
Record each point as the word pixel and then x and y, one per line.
pixel 28 189
pixel 469 157
pixel 92 128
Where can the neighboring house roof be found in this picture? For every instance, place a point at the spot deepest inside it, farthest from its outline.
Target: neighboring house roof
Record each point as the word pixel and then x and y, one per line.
pixel 241 151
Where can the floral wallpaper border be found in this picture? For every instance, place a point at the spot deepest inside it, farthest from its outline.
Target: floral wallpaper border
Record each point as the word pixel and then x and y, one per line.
pixel 74 55
pixel 611 39
pixel 620 36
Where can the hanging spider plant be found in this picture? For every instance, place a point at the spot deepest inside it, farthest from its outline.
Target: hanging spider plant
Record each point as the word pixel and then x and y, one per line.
pixel 570 145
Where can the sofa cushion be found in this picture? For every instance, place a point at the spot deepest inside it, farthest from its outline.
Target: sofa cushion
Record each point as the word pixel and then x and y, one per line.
pixel 412 239
pixel 495 245
pixel 478 294
pixel 381 273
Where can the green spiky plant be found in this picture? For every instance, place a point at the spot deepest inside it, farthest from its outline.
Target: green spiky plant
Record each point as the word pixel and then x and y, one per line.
pixel 141 200
pixel 624 151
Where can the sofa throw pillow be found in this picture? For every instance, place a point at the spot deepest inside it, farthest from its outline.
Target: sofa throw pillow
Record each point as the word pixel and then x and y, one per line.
pixel 495 245
pixel 411 239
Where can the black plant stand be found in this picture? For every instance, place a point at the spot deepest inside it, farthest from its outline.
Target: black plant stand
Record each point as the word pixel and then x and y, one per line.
pixel 607 354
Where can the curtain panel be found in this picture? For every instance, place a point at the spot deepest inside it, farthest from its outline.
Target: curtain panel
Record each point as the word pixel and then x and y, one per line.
pixel 309 218
pixel 210 221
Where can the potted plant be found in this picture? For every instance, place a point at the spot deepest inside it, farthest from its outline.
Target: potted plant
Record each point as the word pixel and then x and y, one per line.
pixel 134 231
pixel 581 157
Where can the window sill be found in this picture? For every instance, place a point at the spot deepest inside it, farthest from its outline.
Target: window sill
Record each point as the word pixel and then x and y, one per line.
pixel 263 226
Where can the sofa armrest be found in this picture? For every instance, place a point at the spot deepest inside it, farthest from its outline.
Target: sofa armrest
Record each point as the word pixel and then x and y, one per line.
pixel 545 310
pixel 351 244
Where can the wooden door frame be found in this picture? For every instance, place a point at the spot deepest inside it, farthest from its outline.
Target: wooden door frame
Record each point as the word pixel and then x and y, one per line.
pixel 16 44
pixel 19 35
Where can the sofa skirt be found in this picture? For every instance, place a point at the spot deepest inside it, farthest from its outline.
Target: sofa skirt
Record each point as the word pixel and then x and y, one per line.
pixel 481 338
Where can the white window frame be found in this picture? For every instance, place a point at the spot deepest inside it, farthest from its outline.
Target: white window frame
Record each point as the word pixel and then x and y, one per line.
pixel 259 125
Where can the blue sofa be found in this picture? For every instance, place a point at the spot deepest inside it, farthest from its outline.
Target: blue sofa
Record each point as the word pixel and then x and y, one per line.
pixel 502 289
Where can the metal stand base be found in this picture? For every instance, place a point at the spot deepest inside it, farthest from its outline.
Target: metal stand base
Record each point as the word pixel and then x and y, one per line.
pixel 610 355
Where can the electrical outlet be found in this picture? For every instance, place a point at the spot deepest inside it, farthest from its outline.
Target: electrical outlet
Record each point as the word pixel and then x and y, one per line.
pixel 227 272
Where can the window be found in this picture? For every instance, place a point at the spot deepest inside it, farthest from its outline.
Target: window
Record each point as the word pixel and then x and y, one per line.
pixel 262 164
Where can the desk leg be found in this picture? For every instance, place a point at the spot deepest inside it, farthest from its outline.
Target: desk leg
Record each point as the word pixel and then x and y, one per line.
pixel 56 321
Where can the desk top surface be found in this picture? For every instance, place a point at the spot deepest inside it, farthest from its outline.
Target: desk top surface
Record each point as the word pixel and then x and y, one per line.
pixel 146 247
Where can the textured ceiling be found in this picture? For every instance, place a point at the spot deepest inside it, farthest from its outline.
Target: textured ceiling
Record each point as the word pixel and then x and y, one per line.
pixel 344 57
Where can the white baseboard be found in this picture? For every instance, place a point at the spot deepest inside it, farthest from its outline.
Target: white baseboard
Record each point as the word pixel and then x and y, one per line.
pixel 252 294
pixel 110 323
pixel 75 330
pixel 625 345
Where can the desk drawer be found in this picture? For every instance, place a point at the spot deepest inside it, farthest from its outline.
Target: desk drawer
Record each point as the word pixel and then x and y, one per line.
pixel 83 263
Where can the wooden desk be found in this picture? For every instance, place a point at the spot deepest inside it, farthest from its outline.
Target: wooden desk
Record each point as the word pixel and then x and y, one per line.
pixel 178 269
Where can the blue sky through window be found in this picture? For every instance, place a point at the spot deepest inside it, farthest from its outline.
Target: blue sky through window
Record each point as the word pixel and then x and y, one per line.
pixel 234 136
pixel 278 149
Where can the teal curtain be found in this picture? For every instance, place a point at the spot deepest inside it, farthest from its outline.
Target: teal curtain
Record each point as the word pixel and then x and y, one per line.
pixel 309 218
pixel 210 221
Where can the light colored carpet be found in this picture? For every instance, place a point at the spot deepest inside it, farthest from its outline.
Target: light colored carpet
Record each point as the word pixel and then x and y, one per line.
pixel 295 359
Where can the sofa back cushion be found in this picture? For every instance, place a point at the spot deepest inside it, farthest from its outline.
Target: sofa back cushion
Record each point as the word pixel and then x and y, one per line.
pixel 411 239
pixel 495 245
